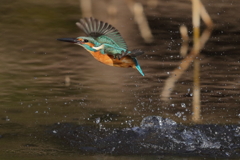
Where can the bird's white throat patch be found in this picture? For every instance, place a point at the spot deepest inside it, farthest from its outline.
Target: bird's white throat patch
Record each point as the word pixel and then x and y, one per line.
pixel 99 47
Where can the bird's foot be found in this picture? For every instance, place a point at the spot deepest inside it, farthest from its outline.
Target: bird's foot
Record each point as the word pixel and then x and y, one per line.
pixel 119 56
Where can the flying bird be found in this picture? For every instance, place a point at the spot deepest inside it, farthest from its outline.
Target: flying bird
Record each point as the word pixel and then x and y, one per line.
pixel 105 44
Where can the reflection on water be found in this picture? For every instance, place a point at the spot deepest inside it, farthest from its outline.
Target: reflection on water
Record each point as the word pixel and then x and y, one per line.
pixel 34 67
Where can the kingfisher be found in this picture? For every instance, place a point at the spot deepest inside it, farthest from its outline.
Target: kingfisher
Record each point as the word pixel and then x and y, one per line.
pixel 105 44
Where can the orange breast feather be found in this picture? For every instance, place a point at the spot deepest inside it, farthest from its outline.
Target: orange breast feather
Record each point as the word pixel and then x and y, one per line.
pixel 124 62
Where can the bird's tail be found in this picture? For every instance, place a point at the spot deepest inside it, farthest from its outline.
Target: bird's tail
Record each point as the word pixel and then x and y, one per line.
pixel 137 66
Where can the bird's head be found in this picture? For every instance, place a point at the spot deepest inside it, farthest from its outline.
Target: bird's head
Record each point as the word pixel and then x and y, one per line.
pixel 86 42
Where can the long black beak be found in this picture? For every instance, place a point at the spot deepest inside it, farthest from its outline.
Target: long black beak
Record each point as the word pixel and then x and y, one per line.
pixel 72 40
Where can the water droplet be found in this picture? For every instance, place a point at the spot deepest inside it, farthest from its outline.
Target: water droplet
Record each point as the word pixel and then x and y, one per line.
pixel 183 105
pixel 178 114
pixel 97 120
pixel 150 100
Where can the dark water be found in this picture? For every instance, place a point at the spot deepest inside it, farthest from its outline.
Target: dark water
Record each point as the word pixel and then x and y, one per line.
pixel 34 68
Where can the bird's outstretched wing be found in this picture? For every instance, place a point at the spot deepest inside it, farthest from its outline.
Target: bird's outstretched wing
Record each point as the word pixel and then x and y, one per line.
pixel 103 32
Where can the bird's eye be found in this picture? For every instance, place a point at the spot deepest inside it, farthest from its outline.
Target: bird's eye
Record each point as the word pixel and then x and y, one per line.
pixel 85 40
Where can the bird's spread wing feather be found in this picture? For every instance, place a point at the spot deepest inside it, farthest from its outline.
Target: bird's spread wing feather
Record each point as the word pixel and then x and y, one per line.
pixel 102 32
